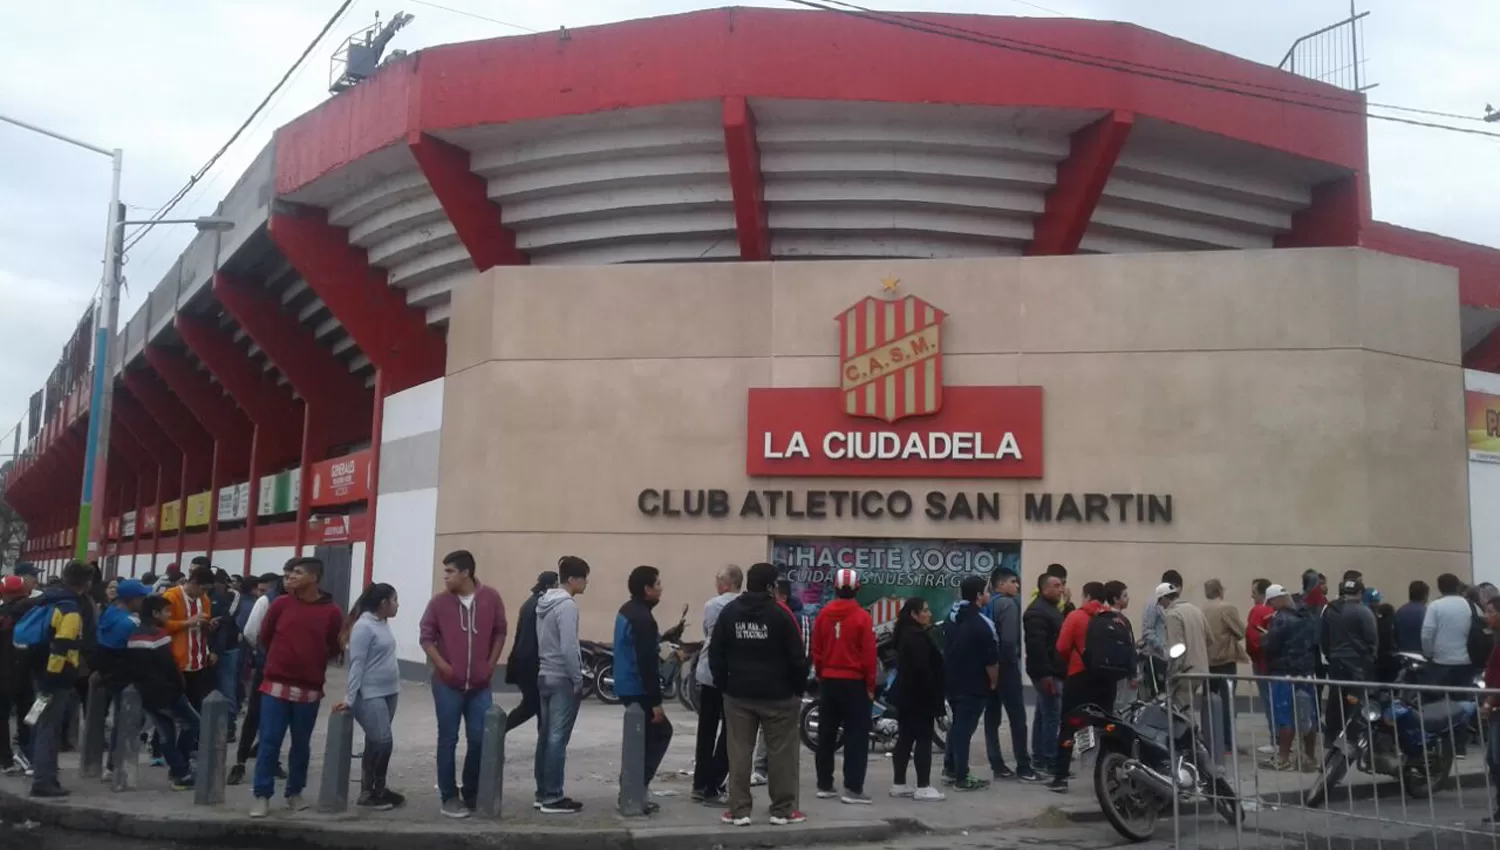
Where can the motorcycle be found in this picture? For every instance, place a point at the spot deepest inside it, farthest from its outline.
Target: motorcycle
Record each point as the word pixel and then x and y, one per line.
pixel 592 653
pixel 1149 754
pixel 670 664
pixel 1393 736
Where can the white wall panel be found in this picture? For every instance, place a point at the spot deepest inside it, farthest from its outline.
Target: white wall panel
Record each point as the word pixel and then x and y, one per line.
pixel 405 534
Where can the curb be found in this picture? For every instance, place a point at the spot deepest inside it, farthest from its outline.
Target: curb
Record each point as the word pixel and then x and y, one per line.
pixel 226 831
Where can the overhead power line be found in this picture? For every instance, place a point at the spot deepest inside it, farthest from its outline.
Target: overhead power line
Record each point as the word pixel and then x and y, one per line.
pixel 193 181
pixel 474 15
pixel 1243 88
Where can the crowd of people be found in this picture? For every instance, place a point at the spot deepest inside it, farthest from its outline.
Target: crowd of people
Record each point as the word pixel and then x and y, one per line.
pixel 264 643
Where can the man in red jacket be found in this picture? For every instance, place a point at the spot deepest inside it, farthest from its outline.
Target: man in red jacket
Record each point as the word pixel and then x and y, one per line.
pixel 843 653
pixel 301 635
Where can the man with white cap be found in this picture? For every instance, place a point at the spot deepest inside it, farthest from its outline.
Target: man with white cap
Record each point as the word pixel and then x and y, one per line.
pixel 1290 649
pixel 843 654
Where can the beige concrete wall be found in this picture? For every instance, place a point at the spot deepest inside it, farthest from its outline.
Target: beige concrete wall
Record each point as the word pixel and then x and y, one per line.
pixel 1303 408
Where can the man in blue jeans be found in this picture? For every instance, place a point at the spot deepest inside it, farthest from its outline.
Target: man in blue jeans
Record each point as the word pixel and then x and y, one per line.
pixel 559 684
pixel 1005 614
pixel 462 632
pixel 1042 624
pixel 973 671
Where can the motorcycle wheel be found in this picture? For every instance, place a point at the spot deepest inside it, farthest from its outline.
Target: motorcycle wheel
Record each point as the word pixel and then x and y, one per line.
pixel 688 690
pixel 1422 780
pixel 1226 803
pixel 590 678
pixel 1124 804
pixel 604 681
pixel 808 728
pixel 669 685
pixel 1335 766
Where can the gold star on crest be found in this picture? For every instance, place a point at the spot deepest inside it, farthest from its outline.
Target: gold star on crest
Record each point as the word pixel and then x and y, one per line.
pixel 890 283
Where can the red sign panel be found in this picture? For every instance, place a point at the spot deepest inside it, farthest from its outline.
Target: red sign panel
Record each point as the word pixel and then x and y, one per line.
pixel 980 432
pixel 891 363
pixel 148 519
pixel 329 528
pixel 112 529
pixel 342 480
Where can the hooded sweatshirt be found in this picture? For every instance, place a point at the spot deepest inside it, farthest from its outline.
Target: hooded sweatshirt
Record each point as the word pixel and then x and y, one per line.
pixel 756 651
pixel 557 637
pixel 464 634
pixel 152 668
pixel 522 664
pixel 300 639
pixel 843 643
pixel 1070 642
pixel 373 672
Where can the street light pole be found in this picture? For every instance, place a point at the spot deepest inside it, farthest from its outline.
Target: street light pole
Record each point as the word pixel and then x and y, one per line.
pixel 96 460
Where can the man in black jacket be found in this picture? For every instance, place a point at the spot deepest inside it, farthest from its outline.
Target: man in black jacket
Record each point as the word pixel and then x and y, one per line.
pixel 757 658
pixel 637 675
pixel 1349 638
pixel 524 663
pixel 1042 623
pixel 973 671
pixel 1005 612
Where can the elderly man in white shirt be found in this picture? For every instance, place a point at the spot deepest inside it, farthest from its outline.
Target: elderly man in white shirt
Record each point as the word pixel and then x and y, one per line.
pixel 711 759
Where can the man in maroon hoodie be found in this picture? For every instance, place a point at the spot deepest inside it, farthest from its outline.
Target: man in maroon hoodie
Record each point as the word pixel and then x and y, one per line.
pixel 300 635
pixel 843 653
pixel 462 632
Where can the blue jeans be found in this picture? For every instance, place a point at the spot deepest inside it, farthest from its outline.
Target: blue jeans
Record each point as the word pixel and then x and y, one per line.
pixel 452 707
pixel 1265 703
pixel 1044 725
pixel 555 717
pixel 177 729
pixel 228 683
pixel 276 716
pixel 967 710
pixel 1009 698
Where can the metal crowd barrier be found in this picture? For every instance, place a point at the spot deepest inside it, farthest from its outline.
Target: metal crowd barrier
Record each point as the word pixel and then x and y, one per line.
pixel 1365 808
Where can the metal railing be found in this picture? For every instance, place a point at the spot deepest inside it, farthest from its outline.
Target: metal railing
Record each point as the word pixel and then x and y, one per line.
pixel 1401 765
pixel 1333 54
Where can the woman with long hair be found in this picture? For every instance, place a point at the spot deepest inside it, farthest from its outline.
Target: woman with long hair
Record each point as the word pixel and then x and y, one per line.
pixel 374 683
pixel 918 699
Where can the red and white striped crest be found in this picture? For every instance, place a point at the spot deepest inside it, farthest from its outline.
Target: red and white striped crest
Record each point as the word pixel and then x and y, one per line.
pixel 885 610
pixel 891 363
pixel 846 578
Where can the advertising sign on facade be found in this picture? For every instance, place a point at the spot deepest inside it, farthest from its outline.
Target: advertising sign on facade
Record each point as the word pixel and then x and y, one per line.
pixel 328 528
pixel 226 504
pixel 342 480
pixel 1483 422
pixel 242 500
pixel 149 519
pixel 171 516
pixel 280 493
pixel 890 571
pixel 112 529
pixel 198 510
pixel 127 524
pixel 891 372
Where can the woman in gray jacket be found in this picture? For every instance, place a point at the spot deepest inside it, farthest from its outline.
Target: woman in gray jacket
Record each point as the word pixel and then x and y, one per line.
pixel 374 682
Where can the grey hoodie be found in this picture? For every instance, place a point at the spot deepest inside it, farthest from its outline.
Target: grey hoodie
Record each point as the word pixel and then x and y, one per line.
pixel 557 636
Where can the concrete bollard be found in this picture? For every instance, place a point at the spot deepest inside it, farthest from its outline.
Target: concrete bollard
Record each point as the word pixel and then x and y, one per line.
pixel 492 763
pixel 213 745
pixel 91 756
pixel 633 763
pixel 333 791
pixel 127 750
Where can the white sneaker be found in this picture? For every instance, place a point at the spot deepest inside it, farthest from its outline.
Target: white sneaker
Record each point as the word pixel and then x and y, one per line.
pixel 296 803
pixel 757 778
pixel 1266 749
pixel 828 794
pixel 107 776
pixel 260 808
pixel 929 795
pixel 901 791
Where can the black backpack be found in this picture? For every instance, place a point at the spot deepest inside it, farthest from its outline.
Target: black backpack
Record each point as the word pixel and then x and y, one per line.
pixel 1481 640
pixel 1109 647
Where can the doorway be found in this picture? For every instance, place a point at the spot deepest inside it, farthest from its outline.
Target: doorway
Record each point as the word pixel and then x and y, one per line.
pixel 338 563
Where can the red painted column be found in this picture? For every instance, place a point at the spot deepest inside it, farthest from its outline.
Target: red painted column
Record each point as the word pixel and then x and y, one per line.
pixel 466 201
pixel 745 180
pixel 1338 212
pixel 1081 178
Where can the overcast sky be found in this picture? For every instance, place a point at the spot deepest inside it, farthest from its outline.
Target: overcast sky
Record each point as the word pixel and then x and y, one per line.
pixel 169 80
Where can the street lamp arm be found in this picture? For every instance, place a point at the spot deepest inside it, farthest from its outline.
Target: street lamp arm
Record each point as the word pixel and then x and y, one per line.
pixel 58 136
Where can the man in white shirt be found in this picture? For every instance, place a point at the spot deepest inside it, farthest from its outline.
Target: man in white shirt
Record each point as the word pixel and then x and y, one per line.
pixel 711 760
pixel 1445 635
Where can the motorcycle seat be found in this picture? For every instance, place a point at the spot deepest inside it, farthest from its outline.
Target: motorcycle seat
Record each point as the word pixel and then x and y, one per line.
pixel 1439 716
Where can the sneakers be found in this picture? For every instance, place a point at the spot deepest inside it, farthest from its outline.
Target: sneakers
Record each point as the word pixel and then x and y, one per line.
pixel 729 818
pixel 855 798
pixel 780 820
pixel 970 783
pixel 236 775
pixel 184 783
pixel 929 794
pixel 158 762
pixel 260 808
pixel 14 770
pixel 396 800
pixel 1266 749
pixel 649 808
pixel 1004 772
pixel 374 802
pixel 1280 765
pixel 107 775
pixel 1028 775
pixel 565 806
pixel 757 778
pixel 714 799
pixel 948 778
pixel 827 793
pixel 901 791
pixel 23 762
pixel 53 792
pixel 1057 786
pixel 456 809
pixel 697 795
pixel 296 803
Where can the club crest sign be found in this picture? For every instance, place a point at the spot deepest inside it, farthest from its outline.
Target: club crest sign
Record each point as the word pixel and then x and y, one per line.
pixel 891 364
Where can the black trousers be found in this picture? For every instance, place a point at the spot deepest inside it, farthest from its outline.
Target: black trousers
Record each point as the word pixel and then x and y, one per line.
pixel 7 710
pixel 1225 691
pixel 199 684
pixel 711 755
pixel 658 738
pixel 914 733
pixel 250 728
pixel 843 704
pixel 530 701
pixel 1079 689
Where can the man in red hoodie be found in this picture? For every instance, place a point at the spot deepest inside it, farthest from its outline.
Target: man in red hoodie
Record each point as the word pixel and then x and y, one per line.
pixel 1081 687
pixel 301 635
pixel 1256 625
pixel 843 654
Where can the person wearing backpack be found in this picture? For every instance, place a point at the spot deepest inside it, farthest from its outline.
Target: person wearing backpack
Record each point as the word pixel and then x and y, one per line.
pixel 59 634
pixel 1005 613
pixel 1082 686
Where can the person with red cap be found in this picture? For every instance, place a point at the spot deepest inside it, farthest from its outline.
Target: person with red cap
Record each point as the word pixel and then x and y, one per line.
pixel 843 654
pixel 15 690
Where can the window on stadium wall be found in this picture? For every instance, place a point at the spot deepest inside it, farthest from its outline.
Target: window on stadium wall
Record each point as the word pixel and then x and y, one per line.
pixel 890 570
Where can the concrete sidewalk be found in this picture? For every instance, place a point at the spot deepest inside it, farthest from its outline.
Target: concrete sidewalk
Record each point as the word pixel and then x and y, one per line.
pixel 154 811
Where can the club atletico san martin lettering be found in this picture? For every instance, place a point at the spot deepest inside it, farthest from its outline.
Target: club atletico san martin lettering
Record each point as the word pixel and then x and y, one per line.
pixel 890 414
